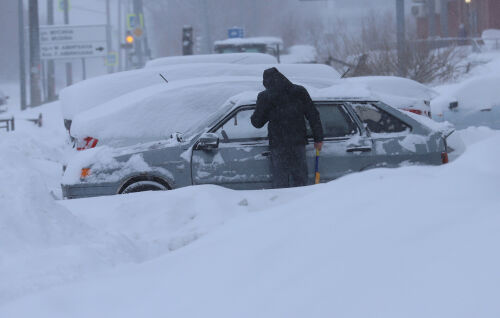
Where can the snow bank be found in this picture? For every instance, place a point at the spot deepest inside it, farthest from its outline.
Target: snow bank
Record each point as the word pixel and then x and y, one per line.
pixel 231 58
pixel 42 243
pixel 311 252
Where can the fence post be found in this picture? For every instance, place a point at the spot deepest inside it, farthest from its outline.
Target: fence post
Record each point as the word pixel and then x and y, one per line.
pixel 40 120
pixel 12 124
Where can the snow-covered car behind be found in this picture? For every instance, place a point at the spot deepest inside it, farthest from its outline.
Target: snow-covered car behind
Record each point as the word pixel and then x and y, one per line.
pixel 217 144
pixel 231 58
pixel 402 93
pixel 474 102
pixel 97 91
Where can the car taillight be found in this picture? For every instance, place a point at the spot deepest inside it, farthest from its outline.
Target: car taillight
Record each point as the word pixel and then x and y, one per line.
pixel 415 111
pixel 444 157
pixel 84 173
pixel 86 143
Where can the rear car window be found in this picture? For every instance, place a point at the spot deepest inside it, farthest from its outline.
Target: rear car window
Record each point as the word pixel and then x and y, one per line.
pixel 335 120
pixel 377 120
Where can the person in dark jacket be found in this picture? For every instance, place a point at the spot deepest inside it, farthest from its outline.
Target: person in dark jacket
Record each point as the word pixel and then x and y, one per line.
pixel 286 106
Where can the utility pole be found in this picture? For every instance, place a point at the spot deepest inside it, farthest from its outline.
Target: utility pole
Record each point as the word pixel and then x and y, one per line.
pixel 34 35
pixel 22 57
pixel 108 33
pixel 69 66
pixel 206 26
pixel 51 81
pixel 444 19
pixel 120 36
pixel 401 42
pixel 139 53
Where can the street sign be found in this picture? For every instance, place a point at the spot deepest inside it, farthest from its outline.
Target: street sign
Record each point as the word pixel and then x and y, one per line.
pixel 61 5
pixel 235 33
pixel 72 41
pixel 112 59
pixel 135 21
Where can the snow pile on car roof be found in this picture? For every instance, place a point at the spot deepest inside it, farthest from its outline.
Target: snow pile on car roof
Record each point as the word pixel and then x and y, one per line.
pixel 156 112
pixel 96 91
pixel 231 58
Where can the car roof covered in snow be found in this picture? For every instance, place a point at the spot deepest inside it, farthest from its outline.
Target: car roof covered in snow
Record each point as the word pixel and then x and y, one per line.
pixel 231 58
pixel 99 90
pixel 268 40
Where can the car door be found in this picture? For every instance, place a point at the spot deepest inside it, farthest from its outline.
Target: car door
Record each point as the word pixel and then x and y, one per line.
pixel 393 142
pixel 241 160
pixel 346 148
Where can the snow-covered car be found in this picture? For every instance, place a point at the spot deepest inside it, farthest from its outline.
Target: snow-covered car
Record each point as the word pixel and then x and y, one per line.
pixel 98 91
pixel 230 58
pixel 262 44
pixel 219 145
pixel 474 102
pixel 402 93
pixel 88 127
pixel 3 102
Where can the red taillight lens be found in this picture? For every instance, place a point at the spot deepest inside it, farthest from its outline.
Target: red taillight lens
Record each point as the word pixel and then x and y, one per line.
pixel 415 111
pixel 87 143
pixel 444 157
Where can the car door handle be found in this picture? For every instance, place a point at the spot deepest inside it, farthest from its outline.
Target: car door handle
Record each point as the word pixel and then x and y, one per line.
pixel 266 154
pixel 358 149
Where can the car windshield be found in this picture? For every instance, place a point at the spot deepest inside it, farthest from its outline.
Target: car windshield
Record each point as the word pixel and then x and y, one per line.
pixel 207 122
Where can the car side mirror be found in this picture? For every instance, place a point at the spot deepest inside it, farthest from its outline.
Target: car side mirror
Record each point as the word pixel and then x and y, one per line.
pixel 453 105
pixel 208 141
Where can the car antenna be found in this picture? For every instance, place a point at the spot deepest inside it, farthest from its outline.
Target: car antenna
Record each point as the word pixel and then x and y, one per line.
pixel 345 73
pixel 163 77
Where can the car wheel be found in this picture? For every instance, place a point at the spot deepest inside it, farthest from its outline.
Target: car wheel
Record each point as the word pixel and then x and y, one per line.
pixel 142 186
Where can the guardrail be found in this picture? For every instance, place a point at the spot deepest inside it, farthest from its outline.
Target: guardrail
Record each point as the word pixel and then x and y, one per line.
pixel 9 124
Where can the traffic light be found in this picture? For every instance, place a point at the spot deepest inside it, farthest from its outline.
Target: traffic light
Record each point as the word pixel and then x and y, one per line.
pixel 187 40
pixel 129 41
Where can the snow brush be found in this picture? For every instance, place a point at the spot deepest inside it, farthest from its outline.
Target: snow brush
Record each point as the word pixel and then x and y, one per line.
pixel 316 168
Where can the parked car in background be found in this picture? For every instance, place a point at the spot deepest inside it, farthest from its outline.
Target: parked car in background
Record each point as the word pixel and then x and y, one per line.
pixel 264 44
pixel 475 102
pixel 3 102
pixel 219 145
pixel 402 93
pixel 230 58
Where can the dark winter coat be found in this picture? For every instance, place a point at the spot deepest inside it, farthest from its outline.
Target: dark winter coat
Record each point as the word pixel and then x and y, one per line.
pixel 286 106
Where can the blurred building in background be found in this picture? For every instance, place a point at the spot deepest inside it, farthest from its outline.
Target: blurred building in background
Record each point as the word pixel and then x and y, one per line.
pixel 455 18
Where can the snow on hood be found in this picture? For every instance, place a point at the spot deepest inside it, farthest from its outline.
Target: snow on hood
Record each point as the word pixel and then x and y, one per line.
pixel 96 91
pixel 475 94
pixel 231 58
pixel 156 112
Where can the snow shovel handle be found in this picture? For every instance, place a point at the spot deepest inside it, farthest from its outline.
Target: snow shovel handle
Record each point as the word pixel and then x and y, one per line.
pixel 316 168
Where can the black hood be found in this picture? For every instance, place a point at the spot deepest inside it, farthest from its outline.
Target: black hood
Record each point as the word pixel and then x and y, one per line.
pixel 274 80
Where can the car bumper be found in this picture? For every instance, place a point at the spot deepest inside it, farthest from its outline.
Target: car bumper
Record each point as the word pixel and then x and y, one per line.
pixel 78 191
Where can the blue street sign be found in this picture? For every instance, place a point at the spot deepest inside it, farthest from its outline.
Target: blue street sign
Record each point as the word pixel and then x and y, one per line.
pixel 235 33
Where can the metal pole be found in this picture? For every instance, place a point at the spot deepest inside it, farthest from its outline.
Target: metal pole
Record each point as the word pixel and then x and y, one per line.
pixel 138 42
pixel 206 26
pixel 400 16
pixel 84 69
pixel 51 80
pixel 69 65
pixel 108 33
pixel 34 35
pixel 22 57
pixel 120 36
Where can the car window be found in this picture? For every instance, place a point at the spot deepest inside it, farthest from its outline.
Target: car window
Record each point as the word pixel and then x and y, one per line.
pixel 239 127
pixel 377 120
pixel 335 120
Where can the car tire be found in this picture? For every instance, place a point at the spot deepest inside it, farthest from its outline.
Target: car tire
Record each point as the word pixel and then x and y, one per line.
pixel 141 186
